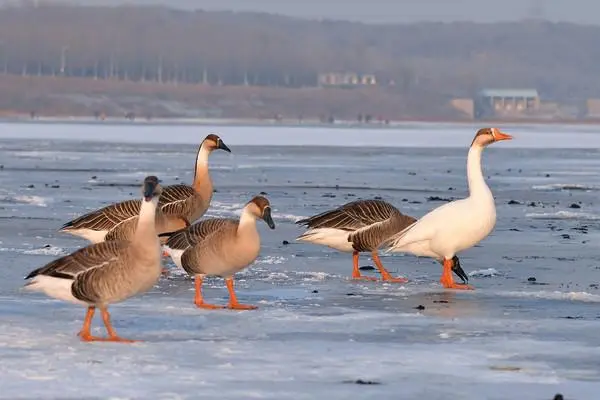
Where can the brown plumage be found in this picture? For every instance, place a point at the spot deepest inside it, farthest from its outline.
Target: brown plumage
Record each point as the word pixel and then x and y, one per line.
pixel 219 247
pixel 178 206
pixel 107 272
pixel 358 226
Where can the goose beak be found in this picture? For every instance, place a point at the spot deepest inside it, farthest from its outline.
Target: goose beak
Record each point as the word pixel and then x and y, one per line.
pixel 223 146
pixel 149 190
pixel 502 136
pixel 457 269
pixel 267 217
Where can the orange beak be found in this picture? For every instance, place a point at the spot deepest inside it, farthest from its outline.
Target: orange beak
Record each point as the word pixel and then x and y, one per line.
pixel 502 136
pixel 165 253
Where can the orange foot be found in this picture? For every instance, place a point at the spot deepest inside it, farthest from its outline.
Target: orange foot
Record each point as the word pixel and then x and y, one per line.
pixel 449 284
pixel 363 278
pixel 208 306
pixel 238 306
pixel 116 339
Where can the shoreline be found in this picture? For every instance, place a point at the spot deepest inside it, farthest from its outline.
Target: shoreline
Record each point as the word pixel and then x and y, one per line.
pixel 255 122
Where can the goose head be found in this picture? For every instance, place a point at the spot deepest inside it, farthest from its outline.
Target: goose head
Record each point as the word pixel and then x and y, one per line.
pixel 260 207
pixel 486 136
pixel 214 142
pixel 151 189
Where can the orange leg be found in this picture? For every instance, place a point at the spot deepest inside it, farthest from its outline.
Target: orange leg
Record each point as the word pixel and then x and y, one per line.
pixel 198 300
pixel 233 303
pixel 165 271
pixel 356 272
pixel 448 281
pixel 112 335
pixel 385 275
pixel 85 333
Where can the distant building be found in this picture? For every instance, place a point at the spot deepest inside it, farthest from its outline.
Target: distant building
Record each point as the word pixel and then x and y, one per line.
pixel 506 103
pixel 592 108
pixel 346 79
pixel 465 106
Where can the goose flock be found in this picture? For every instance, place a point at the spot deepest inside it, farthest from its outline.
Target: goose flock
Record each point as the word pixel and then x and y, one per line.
pixel 129 238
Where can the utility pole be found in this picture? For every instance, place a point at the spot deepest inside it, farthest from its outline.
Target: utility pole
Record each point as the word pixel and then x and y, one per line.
pixel 160 69
pixel 63 60
pixel 4 58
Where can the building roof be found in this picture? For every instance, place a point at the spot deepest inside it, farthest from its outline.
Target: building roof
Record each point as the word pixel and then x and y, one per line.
pixel 508 93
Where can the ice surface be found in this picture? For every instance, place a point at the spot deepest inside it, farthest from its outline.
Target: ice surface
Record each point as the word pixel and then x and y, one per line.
pixel 530 329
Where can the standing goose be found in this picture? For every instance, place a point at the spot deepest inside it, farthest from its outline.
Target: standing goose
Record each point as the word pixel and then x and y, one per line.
pixel 220 247
pixel 457 225
pixel 108 272
pixel 178 205
pixel 358 226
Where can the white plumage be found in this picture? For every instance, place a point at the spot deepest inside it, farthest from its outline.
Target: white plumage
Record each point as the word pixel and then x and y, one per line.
pixel 457 225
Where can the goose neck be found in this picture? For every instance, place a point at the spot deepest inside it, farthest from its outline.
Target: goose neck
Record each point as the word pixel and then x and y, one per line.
pixel 477 185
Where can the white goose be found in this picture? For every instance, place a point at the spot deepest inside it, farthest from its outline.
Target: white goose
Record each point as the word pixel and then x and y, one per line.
pixel 457 225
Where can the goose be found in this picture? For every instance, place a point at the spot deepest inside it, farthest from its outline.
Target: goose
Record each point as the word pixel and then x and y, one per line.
pixel 179 205
pixel 219 247
pixel 457 225
pixel 108 272
pixel 355 227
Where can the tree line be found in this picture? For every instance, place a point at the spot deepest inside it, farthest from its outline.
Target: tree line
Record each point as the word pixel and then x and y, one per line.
pixel 223 48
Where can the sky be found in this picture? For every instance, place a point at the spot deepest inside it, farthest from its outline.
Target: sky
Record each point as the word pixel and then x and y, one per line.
pixel 396 11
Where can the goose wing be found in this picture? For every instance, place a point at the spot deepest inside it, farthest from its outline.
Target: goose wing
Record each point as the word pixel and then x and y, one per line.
pixel 173 199
pixel 370 237
pixel 209 243
pixel 106 218
pixel 352 216
pixel 198 232
pixel 86 259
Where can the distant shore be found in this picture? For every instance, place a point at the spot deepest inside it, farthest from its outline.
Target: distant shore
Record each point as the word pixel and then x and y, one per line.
pixel 307 123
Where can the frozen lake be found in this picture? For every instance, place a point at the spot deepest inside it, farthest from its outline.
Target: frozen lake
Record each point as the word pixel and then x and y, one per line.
pixel 315 333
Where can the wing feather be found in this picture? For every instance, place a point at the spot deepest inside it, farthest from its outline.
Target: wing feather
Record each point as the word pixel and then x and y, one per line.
pixel 91 257
pixel 372 236
pixel 173 199
pixel 197 232
pixel 106 218
pixel 352 216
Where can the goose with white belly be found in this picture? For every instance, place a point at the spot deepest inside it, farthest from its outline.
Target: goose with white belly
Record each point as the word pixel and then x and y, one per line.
pixel 179 205
pixel 219 247
pixel 458 225
pixel 356 227
pixel 107 272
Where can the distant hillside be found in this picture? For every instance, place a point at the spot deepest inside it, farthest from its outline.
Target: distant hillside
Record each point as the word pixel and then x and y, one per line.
pixel 429 62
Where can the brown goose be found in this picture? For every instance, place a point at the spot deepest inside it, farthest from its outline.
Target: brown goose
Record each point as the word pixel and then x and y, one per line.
pixel 179 205
pixel 108 272
pixel 220 247
pixel 356 227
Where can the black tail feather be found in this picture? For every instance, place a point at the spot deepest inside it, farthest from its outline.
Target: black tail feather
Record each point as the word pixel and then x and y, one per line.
pixel 167 234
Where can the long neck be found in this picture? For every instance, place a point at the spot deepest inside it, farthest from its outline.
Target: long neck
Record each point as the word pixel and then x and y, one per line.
pixel 247 222
pixel 477 185
pixel 202 183
pixel 145 231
